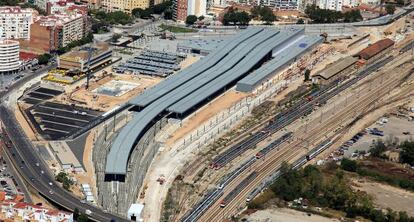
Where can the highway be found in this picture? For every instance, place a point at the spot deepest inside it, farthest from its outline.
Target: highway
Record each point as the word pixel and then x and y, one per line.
pixel 25 158
pixel 214 214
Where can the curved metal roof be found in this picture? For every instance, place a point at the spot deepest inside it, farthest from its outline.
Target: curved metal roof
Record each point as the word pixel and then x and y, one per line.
pixel 117 158
pixel 283 57
pixel 235 73
pixel 193 70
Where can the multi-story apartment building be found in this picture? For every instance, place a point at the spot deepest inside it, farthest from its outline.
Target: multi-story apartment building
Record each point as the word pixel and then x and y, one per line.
pixel 15 22
pixel 125 5
pixel 9 56
pixel 184 8
pixel 42 4
pixel 331 4
pixel 54 31
pixel 280 4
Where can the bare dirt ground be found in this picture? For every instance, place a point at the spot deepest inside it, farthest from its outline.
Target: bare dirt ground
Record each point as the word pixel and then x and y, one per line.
pixel 222 103
pixel 88 98
pixel 88 176
pixel 189 60
pixel 24 124
pixel 284 215
pixel 387 196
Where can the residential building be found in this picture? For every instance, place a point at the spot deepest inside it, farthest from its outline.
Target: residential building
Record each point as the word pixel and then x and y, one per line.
pixel 125 5
pixel 184 8
pixel 15 22
pixel 93 4
pixel 280 4
pixel 54 31
pixel 180 10
pixel 65 6
pixel 9 56
pixel 20 211
pixel 335 5
pixel 77 59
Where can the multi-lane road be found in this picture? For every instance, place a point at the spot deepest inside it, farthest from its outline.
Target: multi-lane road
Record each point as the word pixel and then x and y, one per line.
pixel 33 170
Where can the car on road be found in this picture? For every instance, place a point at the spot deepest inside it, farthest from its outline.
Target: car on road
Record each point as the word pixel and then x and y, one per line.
pixel 50 183
pixel 88 212
pixel 51 192
pixel 37 164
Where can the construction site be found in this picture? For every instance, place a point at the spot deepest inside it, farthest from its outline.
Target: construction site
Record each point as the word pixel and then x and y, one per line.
pixel 190 134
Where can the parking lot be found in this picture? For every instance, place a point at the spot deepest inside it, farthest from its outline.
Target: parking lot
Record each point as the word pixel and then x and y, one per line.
pixel 56 121
pixel 39 95
pixel 388 130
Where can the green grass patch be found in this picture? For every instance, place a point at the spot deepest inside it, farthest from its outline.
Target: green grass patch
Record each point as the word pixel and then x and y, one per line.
pixel 176 29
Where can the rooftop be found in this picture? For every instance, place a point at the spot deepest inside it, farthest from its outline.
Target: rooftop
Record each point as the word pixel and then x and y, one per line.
pixel 375 48
pixel 81 53
pixel 336 67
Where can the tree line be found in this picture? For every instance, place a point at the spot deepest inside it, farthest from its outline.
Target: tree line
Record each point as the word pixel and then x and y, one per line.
pixel 327 188
pixel 318 15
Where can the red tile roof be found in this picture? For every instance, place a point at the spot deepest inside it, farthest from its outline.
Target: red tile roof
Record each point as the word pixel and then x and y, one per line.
pixel 375 48
pixel 25 56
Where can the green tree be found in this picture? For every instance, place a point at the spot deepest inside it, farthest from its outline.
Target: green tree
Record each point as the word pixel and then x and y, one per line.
pixel 349 165
pixel 255 12
pixel 115 37
pixel 267 15
pixel 201 18
pixel 300 21
pixel 168 14
pixel 403 216
pixel 141 13
pixel 390 9
pixel 352 16
pixel 307 75
pixel 190 20
pixel 289 186
pixel 322 15
pixel 378 149
pixel 44 58
pixel 407 152
pixel 63 178
pixel 76 214
pixel 9 2
pixel 83 218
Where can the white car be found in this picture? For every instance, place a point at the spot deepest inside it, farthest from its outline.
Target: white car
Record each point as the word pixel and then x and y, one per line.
pixel 88 212
pixel 50 183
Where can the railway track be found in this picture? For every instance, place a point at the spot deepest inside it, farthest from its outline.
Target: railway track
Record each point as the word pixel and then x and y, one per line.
pixel 321 96
pixel 287 117
pixel 269 167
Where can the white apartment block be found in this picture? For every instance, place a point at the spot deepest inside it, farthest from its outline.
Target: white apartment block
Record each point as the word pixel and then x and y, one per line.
pixel 42 4
pixel 197 7
pixel 280 4
pixel 124 5
pixel 15 22
pixel 9 56
pixel 335 5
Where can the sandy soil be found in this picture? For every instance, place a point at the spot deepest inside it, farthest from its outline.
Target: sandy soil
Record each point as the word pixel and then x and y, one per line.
pixel 106 102
pixel 189 60
pixel 24 124
pixel 387 196
pixel 284 215
pixel 89 175
pixel 222 103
